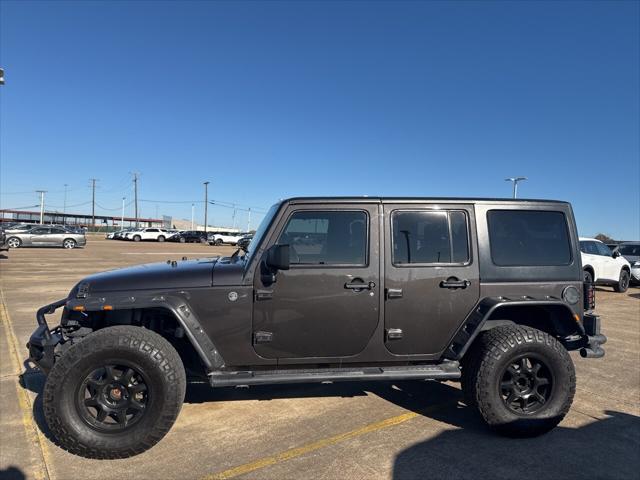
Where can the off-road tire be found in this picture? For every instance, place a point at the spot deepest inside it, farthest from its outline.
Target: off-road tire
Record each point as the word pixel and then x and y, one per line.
pixel 150 354
pixel 587 277
pixel 493 351
pixel 623 283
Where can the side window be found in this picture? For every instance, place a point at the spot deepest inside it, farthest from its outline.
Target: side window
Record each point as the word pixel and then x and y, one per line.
pixel 428 237
pixel 152 230
pixel 58 230
pixel 603 249
pixel 529 238
pixel 588 247
pixel 40 231
pixel 326 237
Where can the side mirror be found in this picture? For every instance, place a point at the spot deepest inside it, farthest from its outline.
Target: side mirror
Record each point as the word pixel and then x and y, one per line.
pixel 616 253
pixel 278 257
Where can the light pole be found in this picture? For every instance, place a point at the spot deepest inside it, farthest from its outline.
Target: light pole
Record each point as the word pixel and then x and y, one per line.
pixel 515 181
pixel 206 202
pixel 64 206
pixel 122 218
pixel 193 205
pixel 41 192
pixel 249 221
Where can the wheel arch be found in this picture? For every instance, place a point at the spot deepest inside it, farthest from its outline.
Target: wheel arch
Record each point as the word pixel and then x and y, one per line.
pixel 170 317
pixel 551 316
pixel 591 270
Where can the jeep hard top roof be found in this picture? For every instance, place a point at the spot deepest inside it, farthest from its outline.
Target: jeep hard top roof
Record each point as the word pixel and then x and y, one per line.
pixel 365 199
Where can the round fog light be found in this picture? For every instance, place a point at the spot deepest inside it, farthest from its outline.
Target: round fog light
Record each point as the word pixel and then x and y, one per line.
pixel 571 295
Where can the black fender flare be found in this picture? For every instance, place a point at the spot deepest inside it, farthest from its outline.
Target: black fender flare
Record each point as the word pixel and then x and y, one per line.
pixel 477 321
pixel 176 302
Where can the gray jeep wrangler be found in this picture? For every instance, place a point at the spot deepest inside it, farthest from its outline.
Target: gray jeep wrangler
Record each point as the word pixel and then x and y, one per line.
pixel 488 292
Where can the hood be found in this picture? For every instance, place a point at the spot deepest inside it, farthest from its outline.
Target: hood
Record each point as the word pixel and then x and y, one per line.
pixel 165 276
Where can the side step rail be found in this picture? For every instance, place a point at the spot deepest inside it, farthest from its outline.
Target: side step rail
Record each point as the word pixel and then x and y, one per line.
pixel 449 370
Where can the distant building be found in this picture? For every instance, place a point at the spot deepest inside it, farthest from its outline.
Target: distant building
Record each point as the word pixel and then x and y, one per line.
pixel 81 219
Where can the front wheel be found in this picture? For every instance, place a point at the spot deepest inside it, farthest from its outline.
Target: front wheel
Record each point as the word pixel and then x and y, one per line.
pixel 115 394
pixel 522 380
pixel 218 242
pixel 587 277
pixel 69 243
pixel 137 238
pixel 623 283
pixel 14 242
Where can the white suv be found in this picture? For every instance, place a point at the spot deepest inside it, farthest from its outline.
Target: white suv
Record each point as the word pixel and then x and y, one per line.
pixel 220 238
pixel 603 266
pixel 158 234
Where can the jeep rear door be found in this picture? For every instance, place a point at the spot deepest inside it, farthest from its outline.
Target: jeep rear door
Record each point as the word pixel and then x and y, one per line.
pixel 431 274
pixel 327 304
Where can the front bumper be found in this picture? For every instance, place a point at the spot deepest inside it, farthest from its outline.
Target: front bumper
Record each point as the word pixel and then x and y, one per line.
pixel 44 340
pixel 594 339
pixel 635 274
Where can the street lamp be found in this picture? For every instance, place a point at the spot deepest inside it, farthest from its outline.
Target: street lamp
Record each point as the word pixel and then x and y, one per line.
pixel 515 181
pixel 206 202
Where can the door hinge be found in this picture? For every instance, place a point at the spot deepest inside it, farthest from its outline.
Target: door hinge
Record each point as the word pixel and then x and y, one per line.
pixel 262 337
pixel 394 333
pixel 263 295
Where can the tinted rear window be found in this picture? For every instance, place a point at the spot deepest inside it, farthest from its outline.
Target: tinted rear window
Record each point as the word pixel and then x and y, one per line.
pixel 528 238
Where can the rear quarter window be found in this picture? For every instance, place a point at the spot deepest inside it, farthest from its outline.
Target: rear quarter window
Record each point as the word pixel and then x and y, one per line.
pixel 529 238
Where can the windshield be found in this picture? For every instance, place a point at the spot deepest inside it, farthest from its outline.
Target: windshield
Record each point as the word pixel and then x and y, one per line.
pixel 633 250
pixel 262 229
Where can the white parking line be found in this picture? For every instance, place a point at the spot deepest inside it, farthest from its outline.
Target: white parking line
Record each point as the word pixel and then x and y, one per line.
pixel 163 253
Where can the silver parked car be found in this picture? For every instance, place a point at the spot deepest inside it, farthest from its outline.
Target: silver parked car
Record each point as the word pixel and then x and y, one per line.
pixel 44 236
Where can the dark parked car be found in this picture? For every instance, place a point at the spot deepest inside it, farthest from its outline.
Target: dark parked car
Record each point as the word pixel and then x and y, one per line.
pixel 490 292
pixel 189 236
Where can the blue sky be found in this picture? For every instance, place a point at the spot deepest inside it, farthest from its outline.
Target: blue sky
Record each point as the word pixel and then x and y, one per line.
pixel 273 99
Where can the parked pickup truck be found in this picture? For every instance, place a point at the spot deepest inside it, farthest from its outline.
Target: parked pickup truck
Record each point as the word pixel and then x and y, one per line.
pixel 487 292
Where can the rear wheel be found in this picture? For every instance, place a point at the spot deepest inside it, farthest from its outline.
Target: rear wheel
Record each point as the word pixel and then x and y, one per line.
pixel 69 243
pixel 218 241
pixel 14 242
pixel 161 238
pixel 183 240
pixel 623 283
pixel 115 394
pixel 522 380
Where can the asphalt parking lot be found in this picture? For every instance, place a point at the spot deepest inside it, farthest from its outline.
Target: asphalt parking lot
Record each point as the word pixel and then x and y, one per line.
pixel 401 430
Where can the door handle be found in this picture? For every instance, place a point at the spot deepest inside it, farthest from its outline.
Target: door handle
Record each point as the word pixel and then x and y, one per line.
pixel 454 282
pixel 360 286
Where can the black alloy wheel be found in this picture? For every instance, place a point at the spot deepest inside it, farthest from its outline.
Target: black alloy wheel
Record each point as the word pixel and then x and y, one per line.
pixel 526 385
pixel 113 398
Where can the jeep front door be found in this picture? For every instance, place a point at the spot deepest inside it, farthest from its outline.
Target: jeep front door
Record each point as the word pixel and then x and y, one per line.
pixel 327 303
pixel 431 275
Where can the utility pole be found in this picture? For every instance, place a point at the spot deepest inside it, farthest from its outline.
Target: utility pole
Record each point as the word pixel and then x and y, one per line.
pixel 234 215
pixel 249 221
pixel 41 192
pixel 122 218
pixel 135 194
pixel 93 201
pixel 515 181
pixel 192 215
pixel 206 204
pixel 64 206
